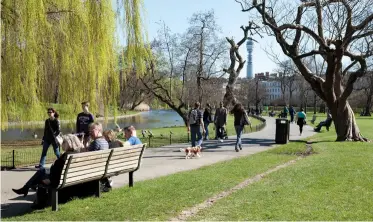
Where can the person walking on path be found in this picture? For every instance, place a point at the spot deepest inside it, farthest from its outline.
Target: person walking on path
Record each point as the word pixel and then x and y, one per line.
pixel 52 128
pixel 220 120
pixel 301 120
pixel 195 123
pixel 292 113
pixel 207 119
pixel 82 123
pixel 286 111
pixel 240 120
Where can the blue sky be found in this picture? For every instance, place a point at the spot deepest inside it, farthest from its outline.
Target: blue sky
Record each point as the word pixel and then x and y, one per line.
pixel 175 13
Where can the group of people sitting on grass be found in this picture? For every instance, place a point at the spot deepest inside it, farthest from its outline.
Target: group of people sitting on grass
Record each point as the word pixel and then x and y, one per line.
pixel 71 143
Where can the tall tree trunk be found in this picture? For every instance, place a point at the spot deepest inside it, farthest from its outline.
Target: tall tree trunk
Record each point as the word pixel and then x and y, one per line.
pixel 314 103
pixel 368 105
pixel 345 123
pixel 229 98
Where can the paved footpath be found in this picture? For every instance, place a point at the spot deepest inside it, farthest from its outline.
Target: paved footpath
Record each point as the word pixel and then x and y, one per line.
pixel 156 162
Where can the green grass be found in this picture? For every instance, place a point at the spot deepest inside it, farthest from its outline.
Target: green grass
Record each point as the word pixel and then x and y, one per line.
pixel 161 198
pixel 334 184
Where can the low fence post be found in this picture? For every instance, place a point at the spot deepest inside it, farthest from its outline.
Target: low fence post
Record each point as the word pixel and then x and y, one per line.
pixel 13 161
pixel 149 140
pixel 188 137
pixel 170 138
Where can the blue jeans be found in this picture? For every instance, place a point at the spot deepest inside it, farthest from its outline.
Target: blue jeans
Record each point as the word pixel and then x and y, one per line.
pixel 206 129
pixel 239 130
pixel 46 145
pixel 36 178
pixel 196 135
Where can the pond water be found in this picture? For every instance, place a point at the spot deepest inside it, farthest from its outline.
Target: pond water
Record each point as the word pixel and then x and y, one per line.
pixel 145 120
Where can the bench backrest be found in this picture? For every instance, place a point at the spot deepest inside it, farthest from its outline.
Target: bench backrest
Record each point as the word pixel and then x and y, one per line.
pixel 89 166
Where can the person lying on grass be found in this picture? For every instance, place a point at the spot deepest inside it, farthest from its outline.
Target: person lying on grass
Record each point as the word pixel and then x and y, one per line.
pixel 70 144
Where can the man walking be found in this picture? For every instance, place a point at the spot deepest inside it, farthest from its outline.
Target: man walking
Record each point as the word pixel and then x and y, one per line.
pixel 207 119
pixel 82 122
pixel 292 113
pixel 195 123
pixel 285 113
pixel 220 120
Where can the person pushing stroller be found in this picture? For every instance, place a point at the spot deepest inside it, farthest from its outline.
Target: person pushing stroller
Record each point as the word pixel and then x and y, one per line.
pixel 220 120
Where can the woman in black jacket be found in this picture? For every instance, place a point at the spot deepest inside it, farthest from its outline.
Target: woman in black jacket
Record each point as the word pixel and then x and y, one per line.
pixel 52 129
pixel 240 120
pixel 70 144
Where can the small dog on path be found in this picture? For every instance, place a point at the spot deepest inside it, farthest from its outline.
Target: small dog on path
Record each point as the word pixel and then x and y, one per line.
pixel 192 152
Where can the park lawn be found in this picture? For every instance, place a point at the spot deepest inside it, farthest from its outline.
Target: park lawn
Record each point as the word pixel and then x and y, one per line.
pixel 334 184
pixel 165 197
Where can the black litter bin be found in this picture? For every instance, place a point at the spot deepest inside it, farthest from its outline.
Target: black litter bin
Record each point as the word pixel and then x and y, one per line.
pixel 282 131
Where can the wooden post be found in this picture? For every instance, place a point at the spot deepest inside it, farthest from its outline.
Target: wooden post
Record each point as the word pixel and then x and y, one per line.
pixel 54 200
pixel 98 189
pixel 130 183
pixel 13 162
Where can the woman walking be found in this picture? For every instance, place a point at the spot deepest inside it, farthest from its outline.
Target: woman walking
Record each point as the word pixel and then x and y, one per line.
pixel 240 120
pixel 207 119
pixel 51 131
pixel 301 120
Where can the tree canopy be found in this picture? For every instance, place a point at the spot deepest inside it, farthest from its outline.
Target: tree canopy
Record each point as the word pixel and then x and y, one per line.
pixel 64 52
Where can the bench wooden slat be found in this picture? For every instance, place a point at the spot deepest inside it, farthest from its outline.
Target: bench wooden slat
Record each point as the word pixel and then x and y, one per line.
pixel 123 160
pixel 86 177
pixel 85 163
pixel 123 169
pixel 86 172
pixel 123 157
pixel 125 152
pixel 121 166
pixel 86 167
pixel 92 157
pixel 91 153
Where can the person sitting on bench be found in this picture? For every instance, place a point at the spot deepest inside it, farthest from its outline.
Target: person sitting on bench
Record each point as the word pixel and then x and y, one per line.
pixel 325 123
pixel 70 144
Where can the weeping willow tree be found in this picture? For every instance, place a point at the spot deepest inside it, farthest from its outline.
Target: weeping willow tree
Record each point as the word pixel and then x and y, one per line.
pixel 63 52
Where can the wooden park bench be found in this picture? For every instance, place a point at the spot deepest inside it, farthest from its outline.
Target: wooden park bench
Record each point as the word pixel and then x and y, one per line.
pixel 97 165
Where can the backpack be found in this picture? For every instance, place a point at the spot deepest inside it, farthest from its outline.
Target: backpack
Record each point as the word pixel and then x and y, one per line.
pixel 193 117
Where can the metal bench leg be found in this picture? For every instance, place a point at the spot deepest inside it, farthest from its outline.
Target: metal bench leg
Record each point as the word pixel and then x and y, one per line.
pixel 130 179
pixel 98 189
pixel 54 200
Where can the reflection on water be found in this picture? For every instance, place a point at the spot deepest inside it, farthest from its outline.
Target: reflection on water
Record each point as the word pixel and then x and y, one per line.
pixel 146 120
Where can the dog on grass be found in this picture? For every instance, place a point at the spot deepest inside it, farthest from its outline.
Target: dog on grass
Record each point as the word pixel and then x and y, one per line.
pixel 192 152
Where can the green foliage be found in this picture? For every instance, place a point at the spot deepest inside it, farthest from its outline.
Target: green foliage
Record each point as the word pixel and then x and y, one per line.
pixel 62 52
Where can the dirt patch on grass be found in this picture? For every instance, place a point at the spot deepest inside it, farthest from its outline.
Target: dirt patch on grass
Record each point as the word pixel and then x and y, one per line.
pixel 185 214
